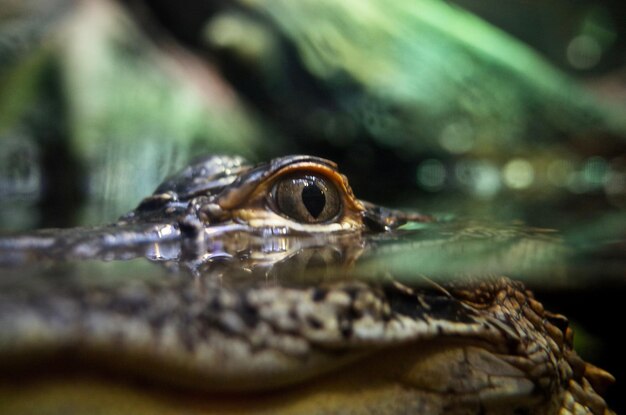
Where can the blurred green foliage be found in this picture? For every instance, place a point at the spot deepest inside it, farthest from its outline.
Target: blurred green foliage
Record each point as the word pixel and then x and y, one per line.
pixel 417 76
pixel 127 112
pixel 455 111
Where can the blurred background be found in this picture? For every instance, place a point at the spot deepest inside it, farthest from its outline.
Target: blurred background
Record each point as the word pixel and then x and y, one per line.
pixel 494 109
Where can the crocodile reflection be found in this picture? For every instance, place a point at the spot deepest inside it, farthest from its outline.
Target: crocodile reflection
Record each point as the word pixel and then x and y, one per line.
pixel 252 319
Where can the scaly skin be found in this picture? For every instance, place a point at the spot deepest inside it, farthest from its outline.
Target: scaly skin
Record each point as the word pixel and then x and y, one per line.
pixel 237 329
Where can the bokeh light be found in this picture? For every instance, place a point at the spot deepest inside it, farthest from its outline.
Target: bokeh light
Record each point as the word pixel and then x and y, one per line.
pixel 431 174
pixel 518 173
pixel 584 52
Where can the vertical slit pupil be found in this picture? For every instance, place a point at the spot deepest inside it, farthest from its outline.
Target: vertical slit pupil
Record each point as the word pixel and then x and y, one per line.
pixel 313 198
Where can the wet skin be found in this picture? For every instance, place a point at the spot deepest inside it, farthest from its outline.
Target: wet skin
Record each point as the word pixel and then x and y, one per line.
pixel 237 289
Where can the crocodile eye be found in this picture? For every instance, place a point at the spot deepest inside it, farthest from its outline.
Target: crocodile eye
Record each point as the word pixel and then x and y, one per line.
pixel 307 198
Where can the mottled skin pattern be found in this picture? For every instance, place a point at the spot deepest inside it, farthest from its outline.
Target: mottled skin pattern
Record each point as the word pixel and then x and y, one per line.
pixel 230 324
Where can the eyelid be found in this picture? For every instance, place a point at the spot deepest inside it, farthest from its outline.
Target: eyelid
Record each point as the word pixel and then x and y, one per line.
pixel 248 199
pixel 339 180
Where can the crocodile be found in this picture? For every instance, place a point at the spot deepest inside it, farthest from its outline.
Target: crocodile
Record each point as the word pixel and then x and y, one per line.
pixel 235 288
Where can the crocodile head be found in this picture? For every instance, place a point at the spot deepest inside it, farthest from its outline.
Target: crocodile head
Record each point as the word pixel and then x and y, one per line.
pixel 294 195
pixel 229 325
pixel 294 207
